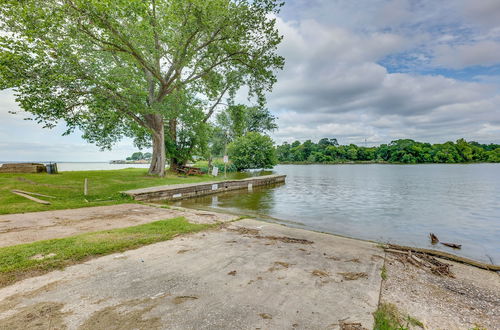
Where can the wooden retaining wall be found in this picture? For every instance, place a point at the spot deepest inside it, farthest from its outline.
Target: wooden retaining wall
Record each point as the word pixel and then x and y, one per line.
pixel 181 191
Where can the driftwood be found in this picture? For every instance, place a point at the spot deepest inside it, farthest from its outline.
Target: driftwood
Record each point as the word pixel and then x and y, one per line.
pixel 426 261
pixel 34 199
pixel 444 255
pixel 31 193
pixel 434 239
pixel 452 245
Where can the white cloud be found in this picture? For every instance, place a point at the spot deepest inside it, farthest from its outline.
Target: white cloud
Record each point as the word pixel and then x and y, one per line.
pixel 484 53
pixel 332 86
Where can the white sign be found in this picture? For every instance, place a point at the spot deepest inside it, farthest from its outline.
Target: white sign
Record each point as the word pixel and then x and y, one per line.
pixel 177 195
pixel 250 187
pixel 226 159
pixel 215 171
pixel 215 186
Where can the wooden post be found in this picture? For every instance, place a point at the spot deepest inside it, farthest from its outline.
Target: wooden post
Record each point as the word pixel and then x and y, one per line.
pixel 86 187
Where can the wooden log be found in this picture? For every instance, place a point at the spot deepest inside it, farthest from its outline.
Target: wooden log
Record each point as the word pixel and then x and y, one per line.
pixel 452 245
pixel 445 255
pixel 32 193
pixel 34 199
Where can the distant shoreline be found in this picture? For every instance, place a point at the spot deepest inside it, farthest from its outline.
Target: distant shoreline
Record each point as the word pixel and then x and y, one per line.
pixel 379 163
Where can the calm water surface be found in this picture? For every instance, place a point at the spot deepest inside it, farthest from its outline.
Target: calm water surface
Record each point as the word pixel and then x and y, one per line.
pixel 386 203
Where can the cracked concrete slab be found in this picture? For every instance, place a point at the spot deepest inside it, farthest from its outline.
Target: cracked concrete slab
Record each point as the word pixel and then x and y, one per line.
pixel 246 275
pixel 35 226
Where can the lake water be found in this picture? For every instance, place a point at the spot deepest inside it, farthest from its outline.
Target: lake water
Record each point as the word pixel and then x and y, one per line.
pixel 387 203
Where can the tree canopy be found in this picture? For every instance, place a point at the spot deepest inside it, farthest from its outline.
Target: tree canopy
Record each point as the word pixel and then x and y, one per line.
pixel 115 68
pixel 399 151
pixel 237 120
pixel 252 150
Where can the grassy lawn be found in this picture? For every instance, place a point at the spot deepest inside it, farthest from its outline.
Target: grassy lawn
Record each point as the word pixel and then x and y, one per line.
pixel 104 188
pixel 25 260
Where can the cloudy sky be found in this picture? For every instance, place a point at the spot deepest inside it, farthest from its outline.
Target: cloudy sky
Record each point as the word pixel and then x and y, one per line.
pixel 374 70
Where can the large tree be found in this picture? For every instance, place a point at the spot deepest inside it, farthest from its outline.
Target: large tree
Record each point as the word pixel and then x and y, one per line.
pixel 113 68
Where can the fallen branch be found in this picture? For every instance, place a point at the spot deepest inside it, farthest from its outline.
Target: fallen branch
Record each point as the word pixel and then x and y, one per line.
pixel 452 245
pixel 31 193
pixel 34 199
pixel 444 255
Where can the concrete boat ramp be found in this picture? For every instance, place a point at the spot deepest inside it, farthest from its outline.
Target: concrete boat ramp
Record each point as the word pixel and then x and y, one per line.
pixel 181 191
pixel 247 274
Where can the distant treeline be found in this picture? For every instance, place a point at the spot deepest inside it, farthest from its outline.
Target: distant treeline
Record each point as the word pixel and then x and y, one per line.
pixel 399 151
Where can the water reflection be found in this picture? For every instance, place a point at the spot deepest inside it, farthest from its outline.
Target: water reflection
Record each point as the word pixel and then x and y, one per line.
pixel 388 203
pixel 259 201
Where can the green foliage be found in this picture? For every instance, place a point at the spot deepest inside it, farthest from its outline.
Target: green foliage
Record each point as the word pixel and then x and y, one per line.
pixel 404 151
pixel 67 187
pixel 236 121
pixel 253 150
pixel 113 68
pixel 383 273
pixel 188 132
pixel 17 261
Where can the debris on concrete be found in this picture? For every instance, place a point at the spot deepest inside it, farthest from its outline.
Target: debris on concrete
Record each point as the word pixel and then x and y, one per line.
pixel 423 261
pixel 320 273
pixel 350 276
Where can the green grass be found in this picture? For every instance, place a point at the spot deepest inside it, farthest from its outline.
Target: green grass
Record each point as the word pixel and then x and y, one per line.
pixel 387 317
pixel 383 273
pixel 16 262
pixel 104 188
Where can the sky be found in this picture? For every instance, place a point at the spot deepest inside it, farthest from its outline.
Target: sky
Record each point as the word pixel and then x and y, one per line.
pixel 366 70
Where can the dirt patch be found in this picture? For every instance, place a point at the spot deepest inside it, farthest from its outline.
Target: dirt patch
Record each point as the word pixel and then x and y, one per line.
pixel 42 256
pixel 351 326
pixel 266 316
pixel 44 315
pixel 320 273
pixel 128 315
pixel 11 302
pixel 232 273
pixel 183 251
pixel 182 299
pixel 355 260
pixel 255 233
pixel 349 276
pixel 245 231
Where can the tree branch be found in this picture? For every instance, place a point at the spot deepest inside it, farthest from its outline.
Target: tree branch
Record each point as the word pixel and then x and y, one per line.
pixel 212 108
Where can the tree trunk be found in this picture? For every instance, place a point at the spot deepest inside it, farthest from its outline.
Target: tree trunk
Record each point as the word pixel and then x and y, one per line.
pixel 158 158
pixel 174 162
